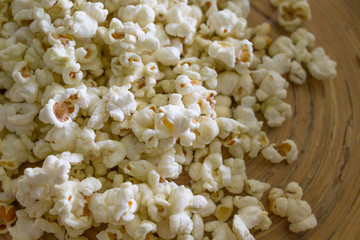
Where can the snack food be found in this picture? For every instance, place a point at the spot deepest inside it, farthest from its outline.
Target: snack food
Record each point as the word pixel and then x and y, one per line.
pixel 126 92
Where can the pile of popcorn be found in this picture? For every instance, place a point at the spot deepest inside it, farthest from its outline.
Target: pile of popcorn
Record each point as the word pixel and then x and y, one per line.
pixel 104 104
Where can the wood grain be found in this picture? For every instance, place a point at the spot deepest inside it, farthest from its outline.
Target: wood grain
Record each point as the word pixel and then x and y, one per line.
pixel 325 125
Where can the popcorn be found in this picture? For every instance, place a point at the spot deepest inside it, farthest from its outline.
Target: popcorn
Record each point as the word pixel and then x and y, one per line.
pixel 279 63
pixel 206 132
pixel 128 66
pixel 287 150
pixel 209 208
pixel 113 152
pixel 60 56
pixel 252 213
pixel 6 82
pixel 258 142
pixel 89 185
pixel 229 126
pixel 7 216
pixel 303 35
pixel 171 121
pixel 134 147
pixel 22 12
pixel 139 169
pixel 297 73
pixel 223 51
pixel 290 205
pixel 282 44
pixel 34 55
pixel 321 67
pixel 140 230
pixel 110 234
pixel 121 103
pixel 261 40
pixel 222 106
pixel 83 24
pixel 20 116
pixel 216 173
pixel 119 99
pixel 13 152
pixel 240 7
pixel 226 23
pixel 210 180
pixel 129 37
pixel 223 231
pixel 209 77
pixel 224 210
pixel 70 204
pixel 35 186
pixel 293 13
pixel 180 221
pixel 185 237
pixel 9 187
pixel 240 229
pixel 168 167
pixel 41 21
pixel 217 196
pixel 50 227
pixel 57 9
pixel 141 14
pixel 246 115
pixel 244 55
pixel 85 143
pixel 20 92
pixel 238 175
pixel 163 230
pixel 11 55
pixel 237 85
pixel 256 188
pixel 180 23
pixel 22 74
pixel 81 171
pixel 86 54
pixel 238 144
pixel 142 120
pixel 270 84
pixel 198 227
pixel 301 52
pixel 63 139
pixel 275 111
pixel 25 227
pixel 168 55
pixel 115 206
pixel 98 114
pixel 189 67
pixel 195 97
pixel 158 208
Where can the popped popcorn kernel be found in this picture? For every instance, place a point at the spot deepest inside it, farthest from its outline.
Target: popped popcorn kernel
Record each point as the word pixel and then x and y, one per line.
pixel 292 14
pixel 7 217
pixel 277 153
pixel 289 204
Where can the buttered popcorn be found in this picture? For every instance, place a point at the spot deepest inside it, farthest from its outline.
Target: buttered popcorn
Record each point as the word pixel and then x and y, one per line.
pixel 106 105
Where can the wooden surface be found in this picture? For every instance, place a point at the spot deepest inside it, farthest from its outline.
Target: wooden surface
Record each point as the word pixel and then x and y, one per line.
pixel 325 125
